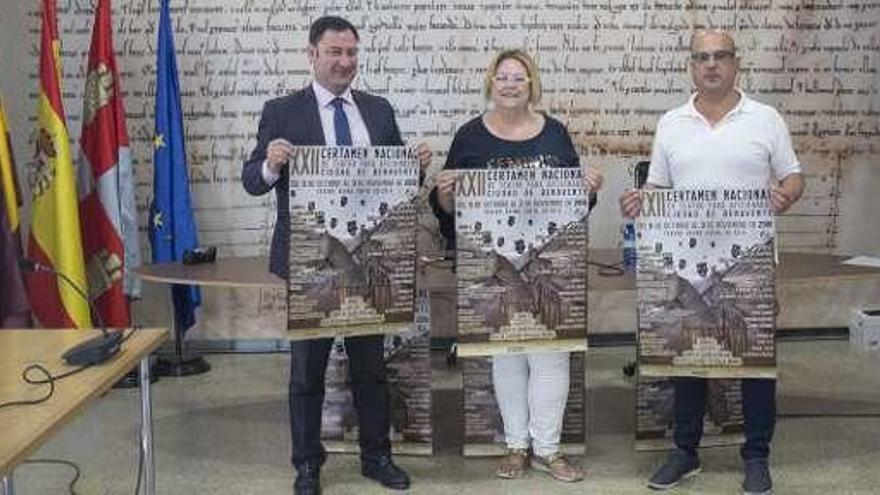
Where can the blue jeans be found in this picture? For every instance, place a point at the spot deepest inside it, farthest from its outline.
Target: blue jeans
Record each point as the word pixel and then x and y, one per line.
pixel 759 411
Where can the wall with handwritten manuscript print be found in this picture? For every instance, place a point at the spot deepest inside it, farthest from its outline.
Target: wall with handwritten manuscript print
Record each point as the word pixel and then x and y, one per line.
pixel 610 69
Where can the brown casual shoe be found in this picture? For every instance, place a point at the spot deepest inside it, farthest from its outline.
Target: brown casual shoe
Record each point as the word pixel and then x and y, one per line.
pixel 514 464
pixel 558 467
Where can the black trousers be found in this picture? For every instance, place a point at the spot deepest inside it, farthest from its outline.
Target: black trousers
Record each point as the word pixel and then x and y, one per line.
pixel 369 385
pixel 759 411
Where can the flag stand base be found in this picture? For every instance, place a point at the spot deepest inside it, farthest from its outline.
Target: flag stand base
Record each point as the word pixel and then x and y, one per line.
pixel 181 365
pixel 182 362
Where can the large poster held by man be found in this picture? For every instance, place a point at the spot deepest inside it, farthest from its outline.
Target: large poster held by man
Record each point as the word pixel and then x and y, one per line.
pixel 352 240
pixel 706 286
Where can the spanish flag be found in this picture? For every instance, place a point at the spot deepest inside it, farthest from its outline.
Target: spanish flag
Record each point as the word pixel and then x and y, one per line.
pixel 54 239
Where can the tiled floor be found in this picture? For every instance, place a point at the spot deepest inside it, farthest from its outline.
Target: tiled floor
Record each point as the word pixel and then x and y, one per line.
pixel 225 432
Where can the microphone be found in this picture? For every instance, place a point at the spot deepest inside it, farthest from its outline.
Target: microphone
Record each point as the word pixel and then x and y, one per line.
pixel 92 351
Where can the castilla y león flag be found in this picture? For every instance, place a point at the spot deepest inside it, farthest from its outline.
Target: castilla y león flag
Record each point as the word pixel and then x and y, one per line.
pixel 106 185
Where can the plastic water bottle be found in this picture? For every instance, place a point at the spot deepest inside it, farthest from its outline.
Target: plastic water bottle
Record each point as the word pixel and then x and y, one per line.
pixel 629 245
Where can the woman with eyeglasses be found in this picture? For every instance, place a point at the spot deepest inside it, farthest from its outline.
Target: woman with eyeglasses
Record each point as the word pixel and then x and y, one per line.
pixel 531 389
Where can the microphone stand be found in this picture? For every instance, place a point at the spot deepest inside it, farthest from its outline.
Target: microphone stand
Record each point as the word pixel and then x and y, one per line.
pixel 90 352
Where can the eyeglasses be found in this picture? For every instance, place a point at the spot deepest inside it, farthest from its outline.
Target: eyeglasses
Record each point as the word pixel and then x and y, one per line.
pixel 719 56
pixel 511 78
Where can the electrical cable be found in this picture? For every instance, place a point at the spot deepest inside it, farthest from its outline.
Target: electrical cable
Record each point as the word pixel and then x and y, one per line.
pixel 77 473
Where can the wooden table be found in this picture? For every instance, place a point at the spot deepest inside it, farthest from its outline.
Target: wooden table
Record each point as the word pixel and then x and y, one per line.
pixel 225 272
pixel 793 268
pixel 253 272
pixel 25 428
pixel 815 290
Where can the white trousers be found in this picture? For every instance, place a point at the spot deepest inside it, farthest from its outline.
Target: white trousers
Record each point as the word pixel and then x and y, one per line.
pixel 531 390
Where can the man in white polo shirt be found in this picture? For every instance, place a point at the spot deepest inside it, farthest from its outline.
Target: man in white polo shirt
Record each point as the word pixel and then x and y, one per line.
pixel 721 138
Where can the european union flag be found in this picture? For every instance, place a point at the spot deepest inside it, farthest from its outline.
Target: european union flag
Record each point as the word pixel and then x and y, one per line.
pixel 172 228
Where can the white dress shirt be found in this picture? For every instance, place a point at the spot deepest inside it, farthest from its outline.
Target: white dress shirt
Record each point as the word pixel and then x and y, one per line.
pixel 359 134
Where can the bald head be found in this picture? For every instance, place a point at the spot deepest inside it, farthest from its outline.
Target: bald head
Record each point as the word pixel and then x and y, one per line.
pixel 714 63
pixel 701 35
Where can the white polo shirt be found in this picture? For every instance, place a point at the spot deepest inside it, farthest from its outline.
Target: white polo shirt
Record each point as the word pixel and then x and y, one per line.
pixel 745 149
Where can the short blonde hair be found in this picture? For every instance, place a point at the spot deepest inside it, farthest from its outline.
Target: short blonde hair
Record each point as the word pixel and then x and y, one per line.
pixel 527 62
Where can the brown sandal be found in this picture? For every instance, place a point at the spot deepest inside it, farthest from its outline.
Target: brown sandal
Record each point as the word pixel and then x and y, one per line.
pixel 559 467
pixel 514 464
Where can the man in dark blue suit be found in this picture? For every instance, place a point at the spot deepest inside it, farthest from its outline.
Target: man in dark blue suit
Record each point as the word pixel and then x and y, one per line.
pixel 327 112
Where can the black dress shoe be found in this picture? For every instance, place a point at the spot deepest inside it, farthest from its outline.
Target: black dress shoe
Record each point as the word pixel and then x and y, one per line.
pixel 308 480
pixel 383 470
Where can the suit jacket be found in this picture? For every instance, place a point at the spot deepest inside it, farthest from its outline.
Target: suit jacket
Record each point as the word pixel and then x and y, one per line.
pixel 295 118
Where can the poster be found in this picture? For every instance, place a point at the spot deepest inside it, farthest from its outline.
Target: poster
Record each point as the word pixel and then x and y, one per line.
pixel 655 400
pixel 705 280
pixel 352 240
pixel 521 260
pixel 407 361
pixel 483 427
